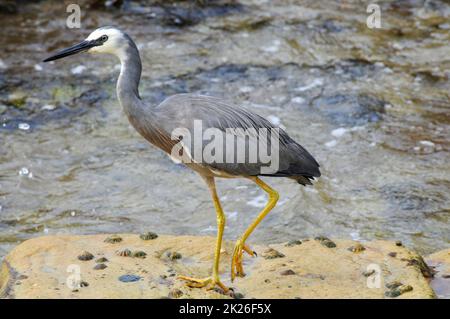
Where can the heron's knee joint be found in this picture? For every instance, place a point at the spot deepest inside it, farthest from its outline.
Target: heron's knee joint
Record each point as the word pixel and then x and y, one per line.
pixel 274 196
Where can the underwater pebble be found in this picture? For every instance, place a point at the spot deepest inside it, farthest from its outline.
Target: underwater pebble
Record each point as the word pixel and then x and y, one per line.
pixel 357 248
pixel 392 254
pixel 398 243
pixel 272 254
pixel 175 293
pixel 129 278
pixel 23 126
pixel 293 243
pixel 287 272
pixel 339 132
pixel 78 69
pixel 325 241
pixel 331 143
pixel 85 256
pixel 113 239
pixel 25 172
pixel 138 254
pixel 148 236
pixel 100 266
pixel 298 100
pixel 48 107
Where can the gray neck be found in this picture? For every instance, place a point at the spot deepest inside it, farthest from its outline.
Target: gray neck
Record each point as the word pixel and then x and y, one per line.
pixel 128 82
pixel 141 117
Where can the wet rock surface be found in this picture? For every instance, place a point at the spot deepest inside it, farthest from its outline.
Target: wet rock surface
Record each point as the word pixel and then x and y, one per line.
pixel 309 270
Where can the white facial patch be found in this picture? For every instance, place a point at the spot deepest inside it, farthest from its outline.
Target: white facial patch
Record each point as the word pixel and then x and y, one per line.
pixel 114 45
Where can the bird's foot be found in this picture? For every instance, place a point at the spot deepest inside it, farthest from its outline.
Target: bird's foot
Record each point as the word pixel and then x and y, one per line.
pixel 209 282
pixel 236 260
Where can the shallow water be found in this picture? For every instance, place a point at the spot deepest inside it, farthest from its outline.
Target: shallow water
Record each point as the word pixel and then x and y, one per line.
pixel 371 105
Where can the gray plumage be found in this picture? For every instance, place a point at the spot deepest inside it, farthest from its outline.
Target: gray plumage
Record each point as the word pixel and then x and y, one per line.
pixel 155 123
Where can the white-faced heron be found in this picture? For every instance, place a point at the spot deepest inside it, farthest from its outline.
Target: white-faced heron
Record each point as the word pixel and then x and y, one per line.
pixel 157 124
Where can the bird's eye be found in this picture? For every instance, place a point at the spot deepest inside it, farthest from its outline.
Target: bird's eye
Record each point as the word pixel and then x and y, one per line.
pixel 104 38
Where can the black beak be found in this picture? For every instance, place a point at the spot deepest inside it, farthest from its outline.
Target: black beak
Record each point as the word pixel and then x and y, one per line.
pixel 80 47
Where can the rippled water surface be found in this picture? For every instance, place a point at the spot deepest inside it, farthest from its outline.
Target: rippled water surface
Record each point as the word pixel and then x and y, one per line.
pixel 372 105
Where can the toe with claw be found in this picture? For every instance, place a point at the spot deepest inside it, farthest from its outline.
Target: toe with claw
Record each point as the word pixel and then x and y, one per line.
pixel 236 260
pixel 209 282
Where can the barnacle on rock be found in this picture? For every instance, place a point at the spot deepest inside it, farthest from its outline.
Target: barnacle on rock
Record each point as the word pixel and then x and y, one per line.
pixel 138 254
pixel 396 289
pixel 113 239
pixel 325 241
pixel 272 254
pixel 100 266
pixel 101 260
pixel 173 255
pixel 175 293
pixel 293 243
pixel 287 272
pixel 86 256
pixel 357 248
pixel 148 236
pixel 124 252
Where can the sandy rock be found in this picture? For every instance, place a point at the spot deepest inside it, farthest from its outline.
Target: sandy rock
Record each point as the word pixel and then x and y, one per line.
pixel 43 267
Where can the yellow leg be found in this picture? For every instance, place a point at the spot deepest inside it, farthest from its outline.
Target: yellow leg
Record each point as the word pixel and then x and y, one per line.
pixel 240 247
pixel 214 280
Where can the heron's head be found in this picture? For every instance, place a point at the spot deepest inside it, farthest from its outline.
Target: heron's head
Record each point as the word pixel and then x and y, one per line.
pixel 102 40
